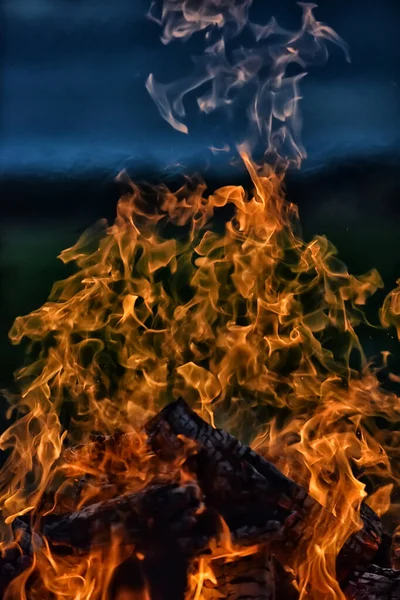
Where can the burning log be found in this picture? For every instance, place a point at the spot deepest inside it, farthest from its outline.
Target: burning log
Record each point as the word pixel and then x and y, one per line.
pixel 164 511
pixel 376 583
pixel 361 548
pixel 251 576
pixel 395 549
pixel 254 499
pixel 218 445
pixel 17 557
pixel 233 459
pixel 158 510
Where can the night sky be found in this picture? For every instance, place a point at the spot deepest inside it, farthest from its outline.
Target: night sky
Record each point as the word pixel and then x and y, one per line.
pixel 74 93
pixel 75 111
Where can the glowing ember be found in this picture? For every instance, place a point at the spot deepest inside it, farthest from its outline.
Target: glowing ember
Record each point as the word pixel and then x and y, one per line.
pixel 214 298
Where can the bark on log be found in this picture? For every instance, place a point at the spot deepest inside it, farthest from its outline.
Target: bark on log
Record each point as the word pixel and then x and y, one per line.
pixel 376 583
pixel 232 475
pixel 136 517
pixel 248 578
pixel 221 448
pixel 17 557
pixel 256 500
pixel 395 549
pixel 143 518
pixel 218 443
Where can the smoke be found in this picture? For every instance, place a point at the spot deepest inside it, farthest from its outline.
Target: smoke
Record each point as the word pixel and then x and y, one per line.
pixel 253 80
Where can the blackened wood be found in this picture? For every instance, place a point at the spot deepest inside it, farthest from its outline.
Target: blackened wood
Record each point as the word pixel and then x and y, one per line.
pixel 374 584
pixel 258 503
pixel 383 558
pixel 395 549
pixel 361 547
pixel 216 442
pixel 161 512
pixel 18 556
pixel 250 577
pixel 134 517
pixel 220 448
pixel 232 485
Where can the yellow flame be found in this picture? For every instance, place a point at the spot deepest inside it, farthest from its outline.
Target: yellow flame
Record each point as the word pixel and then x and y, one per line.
pixel 240 323
pixel 218 299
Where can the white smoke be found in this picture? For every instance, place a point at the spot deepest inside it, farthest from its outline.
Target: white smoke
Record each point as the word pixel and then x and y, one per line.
pixel 254 80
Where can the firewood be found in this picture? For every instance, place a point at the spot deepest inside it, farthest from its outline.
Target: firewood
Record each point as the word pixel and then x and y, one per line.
pixel 376 583
pixel 218 443
pixel 395 548
pixel 232 487
pixel 269 484
pixel 243 487
pixel 244 577
pixel 17 555
pixel 361 547
pixel 168 509
pixel 232 475
pixel 171 511
pixel 250 577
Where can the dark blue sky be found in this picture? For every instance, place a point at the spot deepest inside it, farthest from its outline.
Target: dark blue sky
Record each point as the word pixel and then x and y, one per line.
pixel 74 98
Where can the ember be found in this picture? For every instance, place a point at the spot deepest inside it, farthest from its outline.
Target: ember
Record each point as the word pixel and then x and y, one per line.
pixel 125 476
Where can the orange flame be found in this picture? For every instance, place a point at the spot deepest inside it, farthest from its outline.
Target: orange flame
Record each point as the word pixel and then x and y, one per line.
pixel 215 298
pixel 240 323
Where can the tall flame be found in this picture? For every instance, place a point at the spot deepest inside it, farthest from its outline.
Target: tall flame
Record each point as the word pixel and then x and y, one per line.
pixel 215 298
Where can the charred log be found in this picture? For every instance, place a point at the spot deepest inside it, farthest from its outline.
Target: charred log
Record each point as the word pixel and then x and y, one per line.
pixel 232 487
pixel 218 444
pixel 144 518
pixel 233 461
pixel 136 517
pixel 17 557
pixel 374 584
pixel 248 578
pixel 395 549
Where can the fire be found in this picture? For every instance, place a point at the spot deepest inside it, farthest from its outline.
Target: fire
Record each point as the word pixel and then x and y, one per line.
pixel 215 298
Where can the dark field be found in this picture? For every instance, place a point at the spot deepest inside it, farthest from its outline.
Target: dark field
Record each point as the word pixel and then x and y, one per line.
pixel 356 205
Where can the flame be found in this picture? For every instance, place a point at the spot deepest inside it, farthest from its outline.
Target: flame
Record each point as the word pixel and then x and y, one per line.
pixel 239 323
pixel 214 297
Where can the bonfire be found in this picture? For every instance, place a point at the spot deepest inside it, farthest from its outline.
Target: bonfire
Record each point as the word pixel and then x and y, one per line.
pixel 196 417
